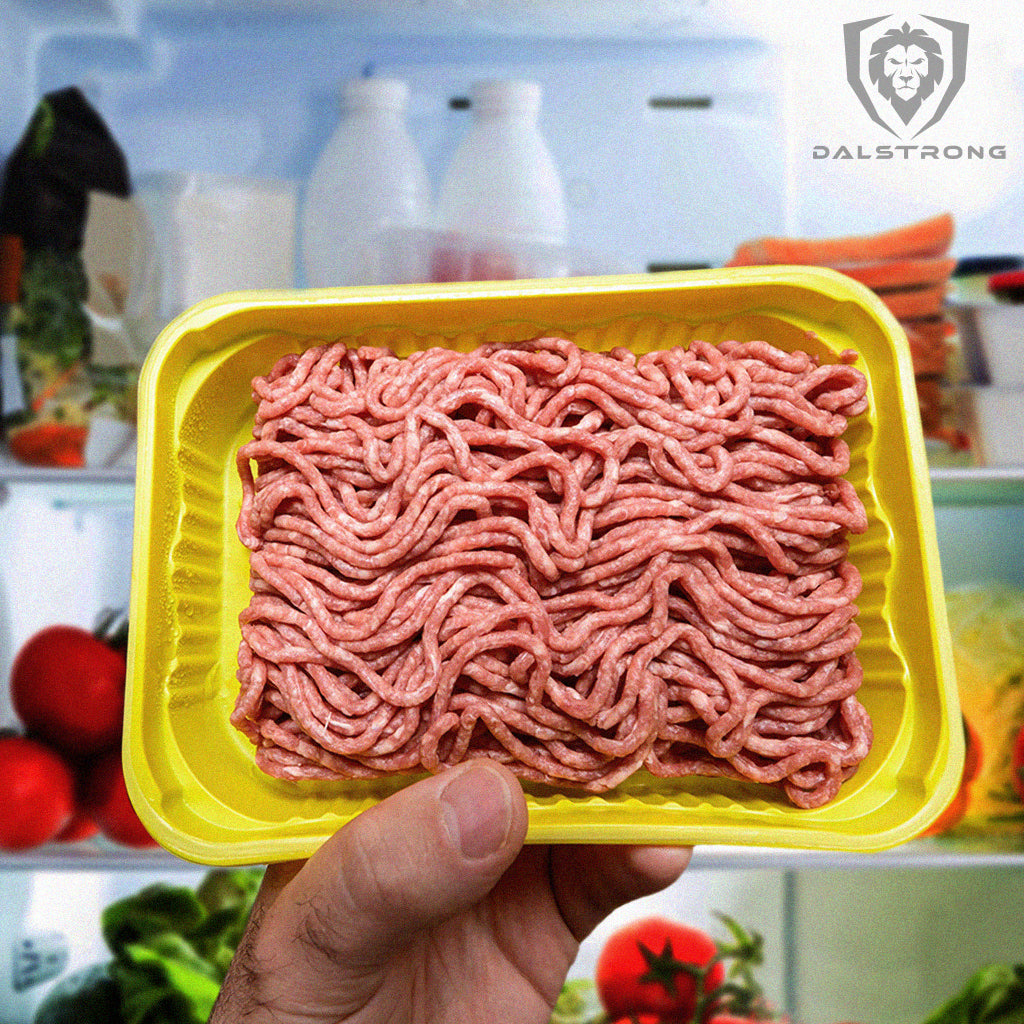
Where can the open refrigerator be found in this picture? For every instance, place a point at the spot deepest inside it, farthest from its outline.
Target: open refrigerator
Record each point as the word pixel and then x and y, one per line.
pixel 681 129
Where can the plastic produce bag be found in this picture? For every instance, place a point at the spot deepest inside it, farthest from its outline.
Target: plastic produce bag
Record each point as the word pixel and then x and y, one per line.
pixel 986 622
pixel 82 321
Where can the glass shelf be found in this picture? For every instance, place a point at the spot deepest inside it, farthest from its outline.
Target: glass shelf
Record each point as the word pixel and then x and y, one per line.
pixel 69 487
pixel 92 855
pixel 918 854
pixel 101 855
pixel 982 486
pixel 12 471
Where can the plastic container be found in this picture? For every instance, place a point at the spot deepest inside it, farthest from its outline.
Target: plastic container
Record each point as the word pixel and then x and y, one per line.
pixel 987 627
pixel 993 419
pixel 991 336
pixel 501 191
pixel 192 776
pixel 217 233
pixel 411 255
pixel 369 178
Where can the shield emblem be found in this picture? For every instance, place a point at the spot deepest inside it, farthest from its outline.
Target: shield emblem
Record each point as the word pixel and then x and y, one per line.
pixel 905 74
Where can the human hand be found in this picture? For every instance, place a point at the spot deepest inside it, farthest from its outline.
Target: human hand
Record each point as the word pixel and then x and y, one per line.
pixel 428 909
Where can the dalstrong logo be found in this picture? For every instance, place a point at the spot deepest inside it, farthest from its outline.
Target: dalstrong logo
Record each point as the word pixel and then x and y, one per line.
pixel 905 74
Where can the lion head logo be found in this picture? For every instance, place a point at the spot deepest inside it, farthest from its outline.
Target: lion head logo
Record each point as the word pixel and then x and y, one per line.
pixel 905 65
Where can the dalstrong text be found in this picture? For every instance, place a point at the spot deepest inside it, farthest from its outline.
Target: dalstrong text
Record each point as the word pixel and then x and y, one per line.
pixel 907 151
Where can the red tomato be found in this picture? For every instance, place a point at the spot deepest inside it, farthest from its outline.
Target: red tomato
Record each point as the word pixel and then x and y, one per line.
pixel 81 826
pixel 640 1018
pixel 657 966
pixel 1017 764
pixel 67 688
pixel 37 793
pixel 105 798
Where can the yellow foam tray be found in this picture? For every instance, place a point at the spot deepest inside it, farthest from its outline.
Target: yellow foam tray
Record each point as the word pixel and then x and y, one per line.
pixel 191 775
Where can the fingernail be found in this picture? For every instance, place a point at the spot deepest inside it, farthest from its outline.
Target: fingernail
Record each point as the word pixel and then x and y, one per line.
pixel 477 810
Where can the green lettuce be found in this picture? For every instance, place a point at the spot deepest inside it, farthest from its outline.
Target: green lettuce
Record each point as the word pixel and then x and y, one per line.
pixel 171 947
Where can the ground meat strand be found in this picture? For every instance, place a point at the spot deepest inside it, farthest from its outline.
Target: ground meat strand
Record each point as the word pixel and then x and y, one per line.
pixel 578 564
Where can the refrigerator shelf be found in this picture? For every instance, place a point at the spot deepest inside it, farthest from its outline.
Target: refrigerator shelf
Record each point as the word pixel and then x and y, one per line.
pixel 100 855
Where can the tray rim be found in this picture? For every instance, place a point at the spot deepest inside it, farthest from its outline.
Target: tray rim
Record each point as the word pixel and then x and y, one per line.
pixel 249 305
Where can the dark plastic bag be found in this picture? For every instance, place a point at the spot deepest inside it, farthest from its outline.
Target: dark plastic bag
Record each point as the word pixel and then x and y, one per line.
pixel 65 153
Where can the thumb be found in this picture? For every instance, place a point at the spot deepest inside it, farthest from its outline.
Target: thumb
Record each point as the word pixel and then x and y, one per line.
pixel 424 854
pixel 417 858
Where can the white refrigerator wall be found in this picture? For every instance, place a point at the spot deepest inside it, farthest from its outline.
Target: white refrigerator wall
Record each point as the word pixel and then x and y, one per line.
pixel 673 147
pixel 671 153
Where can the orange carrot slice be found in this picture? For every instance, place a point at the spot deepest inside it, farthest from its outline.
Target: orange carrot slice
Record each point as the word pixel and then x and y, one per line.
pixel 924 238
pixel 915 302
pixel 913 272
